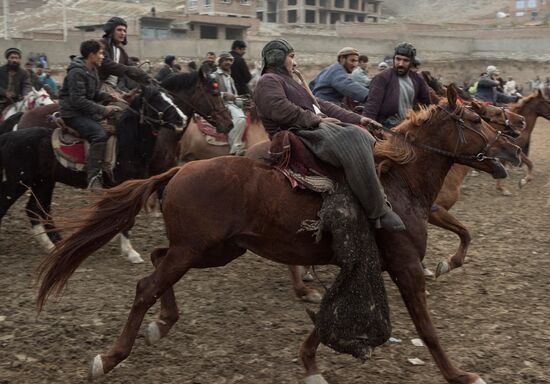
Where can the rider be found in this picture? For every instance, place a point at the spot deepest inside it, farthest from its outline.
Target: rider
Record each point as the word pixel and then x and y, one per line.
pixel 487 88
pixel 229 94
pixel 395 91
pixel 334 82
pixel 14 80
pixel 80 107
pixel 284 104
pixel 116 62
pixel 361 73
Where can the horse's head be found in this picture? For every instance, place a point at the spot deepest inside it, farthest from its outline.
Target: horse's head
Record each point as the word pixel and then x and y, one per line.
pixel 535 103
pixel 198 92
pixel 461 135
pixel 501 118
pixel 157 108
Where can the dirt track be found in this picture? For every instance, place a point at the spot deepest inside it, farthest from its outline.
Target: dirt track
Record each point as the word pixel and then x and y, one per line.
pixel 241 324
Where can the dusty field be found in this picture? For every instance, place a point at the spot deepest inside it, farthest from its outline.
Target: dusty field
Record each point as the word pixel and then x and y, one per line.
pixel 241 324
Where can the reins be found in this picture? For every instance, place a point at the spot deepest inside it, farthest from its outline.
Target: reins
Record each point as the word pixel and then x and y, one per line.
pixel 481 156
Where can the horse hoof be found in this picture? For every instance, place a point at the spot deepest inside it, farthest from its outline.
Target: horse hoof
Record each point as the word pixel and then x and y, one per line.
pixel 152 335
pixel 134 257
pixel 479 381
pixel 523 183
pixel 307 277
pixel 96 368
pixel 316 379
pixel 312 297
pixel 428 274
pixel 443 267
pixel 506 192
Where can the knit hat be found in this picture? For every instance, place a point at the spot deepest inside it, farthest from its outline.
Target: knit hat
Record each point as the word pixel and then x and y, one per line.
pixel 9 51
pixel 491 69
pixel 225 56
pixel 111 24
pixel 275 52
pixel 406 49
pixel 346 51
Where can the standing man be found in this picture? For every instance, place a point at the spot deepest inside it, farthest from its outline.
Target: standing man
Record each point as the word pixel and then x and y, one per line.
pixel 487 88
pixel 14 80
pixel 80 106
pixel 229 94
pixel 334 82
pixel 116 62
pixel 396 90
pixel 239 70
pixel 361 73
pixel 284 104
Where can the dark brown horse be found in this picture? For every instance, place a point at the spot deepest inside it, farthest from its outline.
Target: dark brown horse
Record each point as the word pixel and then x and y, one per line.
pixel 261 212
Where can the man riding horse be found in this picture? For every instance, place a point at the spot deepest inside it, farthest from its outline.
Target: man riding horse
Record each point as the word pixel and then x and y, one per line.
pixel 116 62
pixel 81 108
pixel 284 104
pixel 396 90
pixel 14 80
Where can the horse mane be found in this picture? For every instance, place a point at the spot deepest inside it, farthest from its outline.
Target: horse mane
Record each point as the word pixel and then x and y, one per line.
pixel 178 81
pixel 395 150
pixel 524 100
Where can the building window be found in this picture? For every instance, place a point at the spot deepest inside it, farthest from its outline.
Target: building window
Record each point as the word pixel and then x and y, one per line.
pixel 310 17
pixel 292 16
pixel 226 1
pixel 310 2
pixel 520 4
pixel 192 4
pixel 291 2
pixel 338 3
pixel 520 14
pixel 354 4
pixel 334 17
pixel 260 16
pixel 209 32
pixel 207 3
pixel 233 33
pixel 349 18
pixel 532 4
pixel 245 2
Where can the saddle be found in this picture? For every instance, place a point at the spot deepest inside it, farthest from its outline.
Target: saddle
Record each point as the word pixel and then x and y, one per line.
pixel 212 135
pixel 71 150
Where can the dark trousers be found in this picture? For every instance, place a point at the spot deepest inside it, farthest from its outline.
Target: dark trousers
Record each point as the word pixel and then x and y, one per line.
pixel 89 129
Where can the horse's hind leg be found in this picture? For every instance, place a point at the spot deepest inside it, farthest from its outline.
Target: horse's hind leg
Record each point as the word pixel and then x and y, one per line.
pixel 173 266
pixel 128 250
pixel 168 314
pixel 443 219
pixel 529 176
pixel 308 352
pixel 303 292
pixel 38 211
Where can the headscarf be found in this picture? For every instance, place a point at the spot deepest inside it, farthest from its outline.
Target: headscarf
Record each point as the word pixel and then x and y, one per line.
pixel 275 53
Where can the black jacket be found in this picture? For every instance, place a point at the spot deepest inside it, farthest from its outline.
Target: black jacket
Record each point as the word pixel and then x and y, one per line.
pixel 240 73
pixel 80 94
pixel 22 82
pixel 110 67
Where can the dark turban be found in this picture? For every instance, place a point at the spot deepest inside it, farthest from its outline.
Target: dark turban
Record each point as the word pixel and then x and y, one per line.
pixel 9 51
pixel 275 53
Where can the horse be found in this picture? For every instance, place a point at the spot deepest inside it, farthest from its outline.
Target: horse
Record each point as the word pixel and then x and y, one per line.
pixel 194 92
pixel 530 107
pixel 264 214
pixel 32 100
pixel 509 123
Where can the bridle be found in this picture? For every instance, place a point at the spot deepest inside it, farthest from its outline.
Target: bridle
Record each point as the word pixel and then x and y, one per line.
pixel 461 124
pixel 144 118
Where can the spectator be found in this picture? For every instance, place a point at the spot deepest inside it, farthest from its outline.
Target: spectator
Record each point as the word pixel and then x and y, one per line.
pixel 510 87
pixel 211 56
pixel 239 70
pixel 167 69
pixel 361 73
pixel 49 84
pixel 35 81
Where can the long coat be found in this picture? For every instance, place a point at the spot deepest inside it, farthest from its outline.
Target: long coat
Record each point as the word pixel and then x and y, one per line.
pixel 22 82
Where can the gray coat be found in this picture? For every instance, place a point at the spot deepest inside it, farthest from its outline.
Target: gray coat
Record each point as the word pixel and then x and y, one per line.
pixel 22 82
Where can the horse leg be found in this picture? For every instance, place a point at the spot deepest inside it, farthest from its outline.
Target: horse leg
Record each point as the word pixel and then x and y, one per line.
pixel 412 286
pixel 10 192
pixel 168 314
pixel 308 351
pixel 38 212
pixel 502 188
pixel 443 219
pixel 307 277
pixel 128 250
pixel 174 265
pixel 301 291
pixel 529 176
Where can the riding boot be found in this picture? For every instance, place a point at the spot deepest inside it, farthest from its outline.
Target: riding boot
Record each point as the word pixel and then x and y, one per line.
pixel 96 155
pixel 390 220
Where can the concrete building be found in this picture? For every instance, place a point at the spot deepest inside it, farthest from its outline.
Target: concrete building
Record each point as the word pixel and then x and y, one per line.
pixel 537 9
pixel 318 11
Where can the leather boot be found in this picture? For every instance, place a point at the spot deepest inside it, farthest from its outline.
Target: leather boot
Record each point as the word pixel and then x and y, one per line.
pixel 390 221
pixel 94 162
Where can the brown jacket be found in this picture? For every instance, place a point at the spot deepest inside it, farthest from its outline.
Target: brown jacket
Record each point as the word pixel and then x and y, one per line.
pixel 282 103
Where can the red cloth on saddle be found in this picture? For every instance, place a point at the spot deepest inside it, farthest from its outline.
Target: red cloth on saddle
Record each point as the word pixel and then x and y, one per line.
pixel 208 129
pixel 75 152
pixel 287 151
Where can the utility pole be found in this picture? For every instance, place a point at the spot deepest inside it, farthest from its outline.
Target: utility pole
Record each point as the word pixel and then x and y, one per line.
pixel 64 20
pixel 6 12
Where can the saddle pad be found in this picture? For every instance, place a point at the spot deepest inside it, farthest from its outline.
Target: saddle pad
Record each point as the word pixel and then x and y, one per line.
pixel 213 137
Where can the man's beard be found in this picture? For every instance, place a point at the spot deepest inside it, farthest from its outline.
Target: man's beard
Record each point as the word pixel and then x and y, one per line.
pixel 402 71
pixel 13 66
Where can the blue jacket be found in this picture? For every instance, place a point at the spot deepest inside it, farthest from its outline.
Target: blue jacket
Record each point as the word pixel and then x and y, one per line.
pixel 487 91
pixel 334 83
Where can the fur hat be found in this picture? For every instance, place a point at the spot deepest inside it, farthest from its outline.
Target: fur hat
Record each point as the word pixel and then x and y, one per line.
pixel 111 24
pixel 346 51
pixel 406 49
pixel 275 52
pixel 9 51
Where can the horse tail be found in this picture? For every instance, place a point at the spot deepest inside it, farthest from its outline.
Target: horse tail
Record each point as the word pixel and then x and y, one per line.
pixel 112 213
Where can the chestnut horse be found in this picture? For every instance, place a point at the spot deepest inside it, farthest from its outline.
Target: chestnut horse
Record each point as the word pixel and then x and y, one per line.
pixel 508 123
pixel 261 212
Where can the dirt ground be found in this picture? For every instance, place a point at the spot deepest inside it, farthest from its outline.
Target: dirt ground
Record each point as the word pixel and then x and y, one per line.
pixel 241 324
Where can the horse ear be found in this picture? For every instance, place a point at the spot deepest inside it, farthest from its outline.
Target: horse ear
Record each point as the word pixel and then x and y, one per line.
pixel 452 95
pixel 475 105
